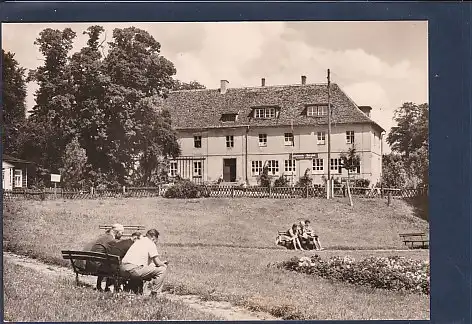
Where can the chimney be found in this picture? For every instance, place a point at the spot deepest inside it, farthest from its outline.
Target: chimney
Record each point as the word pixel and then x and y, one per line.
pixel 303 79
pixel 263 82
pixel 366 110
pixel 224 86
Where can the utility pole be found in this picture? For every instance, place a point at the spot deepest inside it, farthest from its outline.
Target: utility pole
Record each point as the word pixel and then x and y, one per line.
pixel 329 138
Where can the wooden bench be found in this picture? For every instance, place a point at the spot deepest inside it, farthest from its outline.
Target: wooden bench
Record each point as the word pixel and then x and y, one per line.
pixel 129 229
pixel 108 265
pixel 413 240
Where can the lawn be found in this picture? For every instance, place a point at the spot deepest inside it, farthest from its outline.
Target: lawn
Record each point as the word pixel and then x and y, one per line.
pixel 67 302
pixel 220 248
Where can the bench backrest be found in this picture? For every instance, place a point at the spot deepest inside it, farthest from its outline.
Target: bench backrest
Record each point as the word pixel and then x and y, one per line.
pixel 412 234
pixel 129 229
pixel 90 256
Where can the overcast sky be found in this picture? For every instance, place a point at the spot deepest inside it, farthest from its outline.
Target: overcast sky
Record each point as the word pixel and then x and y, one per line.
pixel 381 64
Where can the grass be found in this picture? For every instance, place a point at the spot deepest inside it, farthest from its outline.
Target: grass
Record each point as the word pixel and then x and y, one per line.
pixel 220 248
pixel 67 302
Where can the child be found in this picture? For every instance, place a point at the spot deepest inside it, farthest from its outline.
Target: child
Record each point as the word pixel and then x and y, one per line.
pixel 293 233
pixel 310 233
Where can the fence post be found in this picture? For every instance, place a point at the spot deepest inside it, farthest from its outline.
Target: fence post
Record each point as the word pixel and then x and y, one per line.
pixel 232 192
pixel 389 201
pixel 270 191
pixel 159 189
pixel 91 191
pixel 306 191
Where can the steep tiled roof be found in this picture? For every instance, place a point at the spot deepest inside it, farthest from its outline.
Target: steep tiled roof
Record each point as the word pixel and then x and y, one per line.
pixel 200 109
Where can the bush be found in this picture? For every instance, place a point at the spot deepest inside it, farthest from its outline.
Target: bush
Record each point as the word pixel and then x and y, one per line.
pixel 306 180
pixel 392 273
pixel 361 183
pixel 184 189
pixel 282 181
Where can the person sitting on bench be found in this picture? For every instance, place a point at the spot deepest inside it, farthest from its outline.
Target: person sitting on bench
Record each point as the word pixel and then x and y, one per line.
pixel 120 248
pixel 311 235
pixel 101 245
pixel 293 233
pixel 142 263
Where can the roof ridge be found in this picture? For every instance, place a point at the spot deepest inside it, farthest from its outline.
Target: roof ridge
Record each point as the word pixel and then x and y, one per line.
pixel 256 87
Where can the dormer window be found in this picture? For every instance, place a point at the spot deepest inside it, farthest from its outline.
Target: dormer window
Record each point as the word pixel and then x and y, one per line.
pixel 316 110
pixel 264 113
pixel 229 117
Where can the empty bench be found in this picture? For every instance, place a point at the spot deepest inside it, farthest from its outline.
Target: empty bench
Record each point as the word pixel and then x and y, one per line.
pixel 95 264
pixel 129 229
pixel 415 240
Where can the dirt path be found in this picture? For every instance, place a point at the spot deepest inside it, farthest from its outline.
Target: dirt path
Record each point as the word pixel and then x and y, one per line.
pixel 223 310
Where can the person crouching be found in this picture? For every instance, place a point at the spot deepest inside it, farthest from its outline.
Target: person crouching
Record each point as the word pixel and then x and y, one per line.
pixel 142 263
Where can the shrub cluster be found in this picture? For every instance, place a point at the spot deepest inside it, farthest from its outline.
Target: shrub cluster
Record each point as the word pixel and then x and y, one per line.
pixel 392 273
pixel 186 189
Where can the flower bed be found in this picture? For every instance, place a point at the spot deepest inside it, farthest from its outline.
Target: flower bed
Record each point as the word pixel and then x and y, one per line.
pixel 392 273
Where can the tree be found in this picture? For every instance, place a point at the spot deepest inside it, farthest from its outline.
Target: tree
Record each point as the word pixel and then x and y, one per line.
pixel 193 85
pixel 14 106
pixel 350 161
pixel 410 139
pixel 54 98
pixel 139 79
pixel 265 178
pixel 87 117
pixel 411 132
pixel 393 171
pixel 74 165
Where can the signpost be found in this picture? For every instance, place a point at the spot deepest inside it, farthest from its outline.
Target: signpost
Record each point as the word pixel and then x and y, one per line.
pixel 55 178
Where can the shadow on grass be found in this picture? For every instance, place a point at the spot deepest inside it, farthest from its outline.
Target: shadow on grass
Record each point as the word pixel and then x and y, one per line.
pixel 420 206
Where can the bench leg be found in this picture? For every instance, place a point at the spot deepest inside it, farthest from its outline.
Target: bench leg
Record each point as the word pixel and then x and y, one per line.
pixel 77 279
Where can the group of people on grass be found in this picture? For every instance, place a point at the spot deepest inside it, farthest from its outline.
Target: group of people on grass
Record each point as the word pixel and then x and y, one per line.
pixel 301 236
pixel 140 262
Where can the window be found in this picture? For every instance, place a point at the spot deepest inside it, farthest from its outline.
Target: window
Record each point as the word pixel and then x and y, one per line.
pixel 197 141
pixel 230 141
pixel 197 169
pixel 318 165
pixel 262 139
pixel 173 168
pixel 229 117
pixel 289 165
pixel 18 179
pixel 273 167
pixel 288 139
pixel 350 137
pixel 317 110
pixel 336 165
pixel 256 168
pixel 321 138
pixel 264 113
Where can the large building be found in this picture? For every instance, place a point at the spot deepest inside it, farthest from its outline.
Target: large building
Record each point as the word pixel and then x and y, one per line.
pixel 231 133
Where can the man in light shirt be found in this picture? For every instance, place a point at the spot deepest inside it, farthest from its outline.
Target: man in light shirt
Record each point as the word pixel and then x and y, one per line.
pixel 142 262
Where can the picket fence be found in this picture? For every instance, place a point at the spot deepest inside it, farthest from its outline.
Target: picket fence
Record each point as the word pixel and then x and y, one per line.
pixel 213 191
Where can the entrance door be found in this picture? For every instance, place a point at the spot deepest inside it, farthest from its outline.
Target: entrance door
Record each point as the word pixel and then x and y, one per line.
pixel 229 170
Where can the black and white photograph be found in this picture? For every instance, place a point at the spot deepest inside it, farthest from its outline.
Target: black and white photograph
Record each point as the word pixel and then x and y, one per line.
pixel 215 171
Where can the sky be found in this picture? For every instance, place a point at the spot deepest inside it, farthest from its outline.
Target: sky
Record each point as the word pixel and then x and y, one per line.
pixel 379 64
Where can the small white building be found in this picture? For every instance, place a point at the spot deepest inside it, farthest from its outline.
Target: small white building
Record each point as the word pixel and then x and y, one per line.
pixel 14 173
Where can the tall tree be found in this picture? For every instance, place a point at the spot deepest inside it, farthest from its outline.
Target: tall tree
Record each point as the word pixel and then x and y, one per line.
pixel 74 162
pixel 350 161
pixel 410 139
pixel 14 102
pixel 87 114
pixel 52 113
pixel 139 78
pixel 411 132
